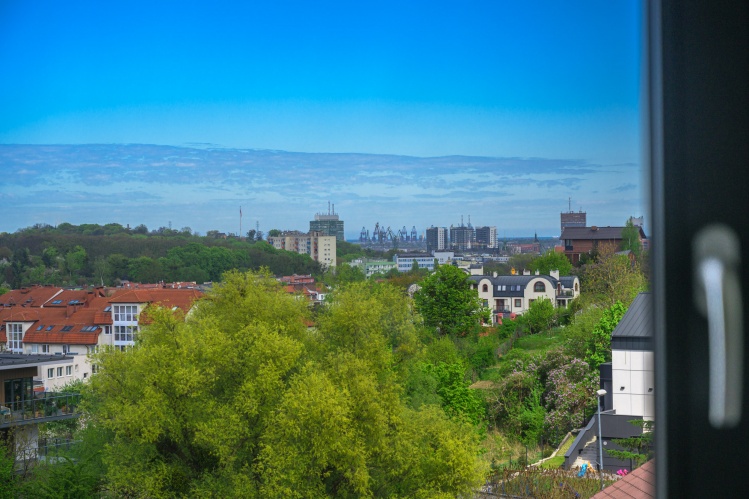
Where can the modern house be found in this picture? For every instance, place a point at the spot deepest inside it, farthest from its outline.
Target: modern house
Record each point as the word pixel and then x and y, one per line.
pixel 579 241
pixel 629 383
pixel 513 294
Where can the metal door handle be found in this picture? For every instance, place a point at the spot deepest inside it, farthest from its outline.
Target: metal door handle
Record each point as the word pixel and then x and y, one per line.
pixel 716 252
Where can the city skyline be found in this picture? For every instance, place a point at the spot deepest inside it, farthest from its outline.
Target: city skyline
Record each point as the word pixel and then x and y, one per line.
pixel 498 111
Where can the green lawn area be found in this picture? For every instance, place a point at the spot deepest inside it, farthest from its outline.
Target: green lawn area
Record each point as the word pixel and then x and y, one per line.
pixel 537 343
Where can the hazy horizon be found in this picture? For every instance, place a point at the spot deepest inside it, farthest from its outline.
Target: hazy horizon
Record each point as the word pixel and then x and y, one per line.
pixel 497 111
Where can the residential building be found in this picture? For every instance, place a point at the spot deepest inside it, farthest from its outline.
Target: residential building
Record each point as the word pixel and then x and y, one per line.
pixel 512 295
pixel 486 237
pixel 318 246
pixel 405 261
pixel 328 224
pixel 585 240
pixel 436 239
pixel 373 267
pixel 74 323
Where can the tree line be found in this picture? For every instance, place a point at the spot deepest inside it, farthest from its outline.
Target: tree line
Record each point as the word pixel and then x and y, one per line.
pixel 107 254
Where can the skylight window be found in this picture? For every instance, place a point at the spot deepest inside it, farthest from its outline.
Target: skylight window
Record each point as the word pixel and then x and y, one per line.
pixel 67 328
pixel 108 309
pixel 56 302
pixel 40 327
pixel 49 328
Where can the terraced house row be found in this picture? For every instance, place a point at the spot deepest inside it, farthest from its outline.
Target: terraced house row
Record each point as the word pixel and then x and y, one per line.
pixel 65 323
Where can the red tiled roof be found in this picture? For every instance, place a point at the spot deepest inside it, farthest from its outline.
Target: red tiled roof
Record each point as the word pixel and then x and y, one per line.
pixel 182 298
pixel 34 296
pixel 58 337
pixel 640 484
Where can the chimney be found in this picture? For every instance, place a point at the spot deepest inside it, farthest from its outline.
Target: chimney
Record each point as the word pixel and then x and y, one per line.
pixel 538 272
pixel 526 272
pixel 594 228
pixel 554 274
pixel 494 274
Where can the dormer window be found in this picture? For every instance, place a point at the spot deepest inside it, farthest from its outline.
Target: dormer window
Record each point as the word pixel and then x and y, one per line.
pixel 539 287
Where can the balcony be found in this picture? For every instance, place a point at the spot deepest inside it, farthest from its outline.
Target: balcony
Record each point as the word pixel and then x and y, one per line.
pixel 49 407
pixel 565 292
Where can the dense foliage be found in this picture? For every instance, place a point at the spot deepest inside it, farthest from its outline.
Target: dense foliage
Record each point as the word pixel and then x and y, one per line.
pixel 447 302
pixel 94 254
pixel 246 401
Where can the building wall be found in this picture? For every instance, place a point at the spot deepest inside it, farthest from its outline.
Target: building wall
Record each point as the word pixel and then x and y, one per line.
pixel 80 369
pixel 319 247
pixel 405 263
pixel 633 382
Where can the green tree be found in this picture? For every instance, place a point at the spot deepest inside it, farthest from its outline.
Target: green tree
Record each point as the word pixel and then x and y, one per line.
pixel 76 261
pixel 457 398
pixel 540 316
pixel 640 448
pixel 598 350
pixel 552 260
pixel 631 239
pixel 248 403
pixel 447 303
pixel 612 278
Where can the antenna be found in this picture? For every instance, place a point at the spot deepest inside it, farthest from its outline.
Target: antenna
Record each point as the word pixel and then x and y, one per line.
pixel 570 203
pixel 328 207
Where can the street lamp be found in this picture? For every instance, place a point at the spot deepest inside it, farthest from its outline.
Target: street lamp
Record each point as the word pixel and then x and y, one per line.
pixel 600 394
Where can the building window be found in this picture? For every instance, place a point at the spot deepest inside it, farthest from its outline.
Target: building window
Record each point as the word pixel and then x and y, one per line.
pixel 125 313
pixel 68 370
pixel 107 329
pixel 65 349
pixel 59 372
pixel 51 372
pixel 518 302
pixel 94 368
pixel 34 349
pixel 576 292
pixel 539 287
pixel 125 333
pixel 485 288
pixel 15 337
pixel 45 348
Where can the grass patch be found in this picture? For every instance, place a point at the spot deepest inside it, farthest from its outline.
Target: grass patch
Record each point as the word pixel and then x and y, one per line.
pixel 553 463
pixel 537 343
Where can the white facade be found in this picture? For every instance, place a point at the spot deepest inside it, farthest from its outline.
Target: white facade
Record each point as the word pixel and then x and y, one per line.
pixel 406 262
pixel 444 257
pixel 633 382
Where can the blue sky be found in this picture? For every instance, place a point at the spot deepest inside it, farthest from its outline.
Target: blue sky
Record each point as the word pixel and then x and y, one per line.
pixel 529 84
